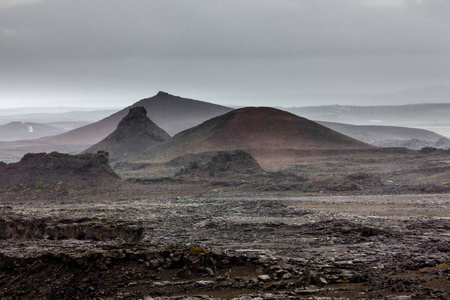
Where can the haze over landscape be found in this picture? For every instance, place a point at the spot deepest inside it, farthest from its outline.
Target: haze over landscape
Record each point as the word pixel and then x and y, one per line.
pixel 224 149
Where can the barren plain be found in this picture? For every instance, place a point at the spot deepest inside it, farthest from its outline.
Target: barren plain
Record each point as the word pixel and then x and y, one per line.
pixel 241 246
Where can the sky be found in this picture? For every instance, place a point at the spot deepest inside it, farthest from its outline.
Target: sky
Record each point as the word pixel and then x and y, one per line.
pixel 101 53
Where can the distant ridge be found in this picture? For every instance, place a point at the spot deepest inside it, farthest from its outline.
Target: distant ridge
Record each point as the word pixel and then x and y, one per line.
pixel 172 113
pixel 410 115
pixel 391 136
pixel 15 131
pixel 270 135
pixel 135 133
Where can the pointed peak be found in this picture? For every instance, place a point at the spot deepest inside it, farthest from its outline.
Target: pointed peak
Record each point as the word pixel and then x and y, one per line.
pixel 161 93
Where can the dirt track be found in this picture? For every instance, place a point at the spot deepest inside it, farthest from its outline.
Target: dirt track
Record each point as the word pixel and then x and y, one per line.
pixel 221 245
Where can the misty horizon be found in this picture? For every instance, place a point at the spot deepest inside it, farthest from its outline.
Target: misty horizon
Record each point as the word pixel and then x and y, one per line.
pixel 271 53
pixel 383 99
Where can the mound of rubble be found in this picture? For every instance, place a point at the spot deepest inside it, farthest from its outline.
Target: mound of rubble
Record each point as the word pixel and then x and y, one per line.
pixel 224 163
pixel 37 171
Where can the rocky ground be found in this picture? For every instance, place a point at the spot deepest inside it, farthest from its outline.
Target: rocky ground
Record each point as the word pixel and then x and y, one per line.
pixel 328 172
pixel 240 246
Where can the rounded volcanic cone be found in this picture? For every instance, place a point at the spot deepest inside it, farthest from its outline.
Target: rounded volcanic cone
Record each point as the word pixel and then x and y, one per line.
pixel 272 136
pixel 135 133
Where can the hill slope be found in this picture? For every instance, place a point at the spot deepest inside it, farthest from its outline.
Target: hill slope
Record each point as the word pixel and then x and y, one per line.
pixel 270 135
pixel 173 114
pixel 15 131
pixel 135 133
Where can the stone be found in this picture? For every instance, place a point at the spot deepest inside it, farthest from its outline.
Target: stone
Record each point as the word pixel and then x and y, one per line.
pixel 264 278
pixel 209 272
pixel 154 264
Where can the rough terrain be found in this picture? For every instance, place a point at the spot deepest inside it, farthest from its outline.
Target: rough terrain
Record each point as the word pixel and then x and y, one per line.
pixel 329 172
pixel 242 246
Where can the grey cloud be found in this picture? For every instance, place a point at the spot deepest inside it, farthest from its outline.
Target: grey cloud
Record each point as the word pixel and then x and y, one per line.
pixel 111 28
pixel 109 47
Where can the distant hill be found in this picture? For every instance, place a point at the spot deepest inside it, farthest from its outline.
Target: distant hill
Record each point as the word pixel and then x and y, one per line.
pixel 15 131
pixel 391 136
pixel 49 117
pixel 270 135
pixel 412 115
pixel 171 113
pixel 135 133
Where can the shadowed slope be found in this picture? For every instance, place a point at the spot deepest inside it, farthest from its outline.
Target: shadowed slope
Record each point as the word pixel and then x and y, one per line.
pixel 270 135
pixel 135 133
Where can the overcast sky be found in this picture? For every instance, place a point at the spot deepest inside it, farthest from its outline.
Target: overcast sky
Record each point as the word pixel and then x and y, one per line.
pixel 252 52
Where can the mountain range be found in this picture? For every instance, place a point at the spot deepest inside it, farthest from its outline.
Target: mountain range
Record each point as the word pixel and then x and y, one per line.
pixel 269 134
pixel 175 114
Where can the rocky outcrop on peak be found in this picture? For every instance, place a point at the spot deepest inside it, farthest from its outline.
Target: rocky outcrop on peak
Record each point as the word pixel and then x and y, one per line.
pixel 135 133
